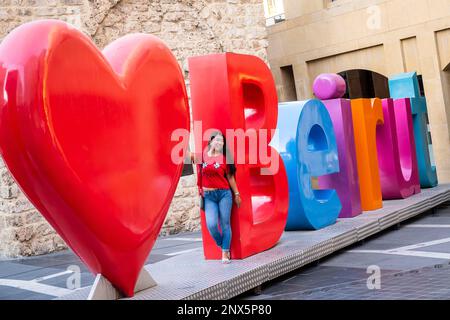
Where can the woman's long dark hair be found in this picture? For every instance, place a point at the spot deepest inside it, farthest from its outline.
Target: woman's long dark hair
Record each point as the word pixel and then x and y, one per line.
pixel 226 153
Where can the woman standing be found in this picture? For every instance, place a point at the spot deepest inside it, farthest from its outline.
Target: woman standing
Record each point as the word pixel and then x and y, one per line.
pixel 216 178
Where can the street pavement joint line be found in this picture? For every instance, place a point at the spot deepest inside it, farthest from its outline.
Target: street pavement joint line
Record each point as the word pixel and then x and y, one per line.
pixel 407 250
pixel 180 252
pixel 428 226
pixel 183 239
pixel 36 269
pixel 421 245
pixel 423 254
pixel 35 287
pixel 55 275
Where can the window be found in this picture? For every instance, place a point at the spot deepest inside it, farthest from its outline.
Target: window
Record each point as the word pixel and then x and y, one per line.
pixel 274 11
pixel 288 81
pixel 365 84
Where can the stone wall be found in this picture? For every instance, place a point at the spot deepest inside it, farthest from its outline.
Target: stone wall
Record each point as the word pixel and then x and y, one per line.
pixel 188 27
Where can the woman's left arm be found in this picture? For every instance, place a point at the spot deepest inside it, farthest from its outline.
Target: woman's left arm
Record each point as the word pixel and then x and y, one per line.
pixel 237 196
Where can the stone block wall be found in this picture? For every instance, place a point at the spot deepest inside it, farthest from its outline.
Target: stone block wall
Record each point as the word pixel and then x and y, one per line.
pixel 188 27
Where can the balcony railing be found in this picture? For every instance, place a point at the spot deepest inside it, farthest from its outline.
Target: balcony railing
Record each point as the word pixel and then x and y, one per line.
pixel 274 11
pixel 270 21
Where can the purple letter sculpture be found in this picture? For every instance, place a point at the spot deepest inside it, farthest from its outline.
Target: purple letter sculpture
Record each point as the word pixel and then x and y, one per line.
pixel 345 182
pixel 399 175
pixel 329 86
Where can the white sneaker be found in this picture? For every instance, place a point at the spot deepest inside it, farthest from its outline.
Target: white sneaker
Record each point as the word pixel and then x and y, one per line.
pixel 226 260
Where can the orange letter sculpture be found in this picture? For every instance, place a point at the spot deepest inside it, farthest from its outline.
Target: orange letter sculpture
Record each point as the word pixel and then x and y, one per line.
pixel 367 115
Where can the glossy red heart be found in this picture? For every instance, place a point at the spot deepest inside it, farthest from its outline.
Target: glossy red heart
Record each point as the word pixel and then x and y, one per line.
pixel 87 136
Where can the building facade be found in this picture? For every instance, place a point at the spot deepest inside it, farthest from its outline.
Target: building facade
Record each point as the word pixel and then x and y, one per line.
pixel 385 37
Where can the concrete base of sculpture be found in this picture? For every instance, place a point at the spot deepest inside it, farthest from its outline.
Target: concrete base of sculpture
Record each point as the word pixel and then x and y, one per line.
pixel 102 289
pixel 190 276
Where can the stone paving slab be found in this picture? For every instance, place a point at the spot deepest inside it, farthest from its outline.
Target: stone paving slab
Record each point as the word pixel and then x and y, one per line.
pixel 189 276
pixel 429 283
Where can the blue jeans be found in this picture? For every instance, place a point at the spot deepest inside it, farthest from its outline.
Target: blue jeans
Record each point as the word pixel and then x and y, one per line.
pixel 218 205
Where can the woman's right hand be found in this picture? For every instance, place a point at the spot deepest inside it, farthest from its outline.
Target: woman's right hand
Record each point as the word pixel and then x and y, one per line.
pixel 238 200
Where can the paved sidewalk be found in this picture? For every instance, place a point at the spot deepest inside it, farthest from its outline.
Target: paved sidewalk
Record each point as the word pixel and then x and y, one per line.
pixel 414 263
pixel 46 276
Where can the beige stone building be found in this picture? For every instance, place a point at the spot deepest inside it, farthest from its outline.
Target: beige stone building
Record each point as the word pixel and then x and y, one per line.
pixel 188 27
pixel 384 36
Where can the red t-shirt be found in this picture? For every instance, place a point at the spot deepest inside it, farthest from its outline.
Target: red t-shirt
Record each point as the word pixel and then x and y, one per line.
pixel 214 171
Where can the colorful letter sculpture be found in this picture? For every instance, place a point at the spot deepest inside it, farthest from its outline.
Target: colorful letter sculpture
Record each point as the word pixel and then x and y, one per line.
pixel 396 151
pixel 234 91
pixel 367 115
pixel 329 86
pixel 81 132
pixel 406 85
pixel 308 148
pixel 345 182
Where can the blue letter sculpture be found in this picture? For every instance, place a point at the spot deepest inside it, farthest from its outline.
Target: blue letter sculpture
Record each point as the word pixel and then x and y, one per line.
pixel 308 148
pixel 406 85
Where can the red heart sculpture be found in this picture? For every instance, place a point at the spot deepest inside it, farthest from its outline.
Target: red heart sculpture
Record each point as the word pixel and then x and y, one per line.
pixel 87 136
